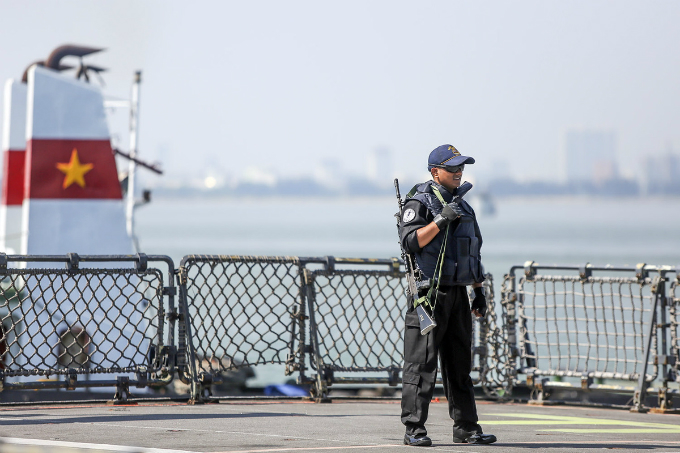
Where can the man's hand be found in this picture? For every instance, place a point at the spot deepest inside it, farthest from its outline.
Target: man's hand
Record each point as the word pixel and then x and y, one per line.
pixel 479 302
pixel 450 212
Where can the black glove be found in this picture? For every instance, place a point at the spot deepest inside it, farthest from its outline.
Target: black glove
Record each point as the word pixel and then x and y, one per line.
pixel 479 302
pixel 450 212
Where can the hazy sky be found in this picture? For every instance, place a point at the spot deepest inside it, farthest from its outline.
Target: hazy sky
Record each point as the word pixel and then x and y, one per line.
pixel 229 85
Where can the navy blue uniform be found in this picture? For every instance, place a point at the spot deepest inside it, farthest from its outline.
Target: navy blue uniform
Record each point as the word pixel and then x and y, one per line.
pixel 451 340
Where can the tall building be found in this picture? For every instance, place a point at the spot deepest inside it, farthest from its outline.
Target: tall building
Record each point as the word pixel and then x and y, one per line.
pixel 590 155
pixel 662 173
pixel 379 165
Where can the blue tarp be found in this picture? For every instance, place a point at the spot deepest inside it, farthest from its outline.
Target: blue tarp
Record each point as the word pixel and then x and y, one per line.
pixel 285 390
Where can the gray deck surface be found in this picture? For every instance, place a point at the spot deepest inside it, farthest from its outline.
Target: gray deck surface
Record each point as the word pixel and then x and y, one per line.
pixel 273 426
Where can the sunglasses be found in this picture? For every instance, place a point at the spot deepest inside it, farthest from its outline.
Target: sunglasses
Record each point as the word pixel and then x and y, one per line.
pixel 451 168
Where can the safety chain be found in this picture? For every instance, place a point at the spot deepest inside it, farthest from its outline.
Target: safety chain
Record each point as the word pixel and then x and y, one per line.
pixel 493 375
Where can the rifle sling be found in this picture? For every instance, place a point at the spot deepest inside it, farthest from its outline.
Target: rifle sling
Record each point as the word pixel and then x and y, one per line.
pixel 427 299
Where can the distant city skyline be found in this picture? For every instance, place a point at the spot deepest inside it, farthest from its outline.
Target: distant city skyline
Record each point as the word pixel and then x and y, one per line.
pixel 589 153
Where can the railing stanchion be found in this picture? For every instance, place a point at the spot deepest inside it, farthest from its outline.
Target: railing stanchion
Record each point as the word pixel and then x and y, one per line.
pixel 641 390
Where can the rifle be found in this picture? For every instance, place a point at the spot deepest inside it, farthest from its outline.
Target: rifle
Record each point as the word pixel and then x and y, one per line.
pixel 426 321
pixel 462 190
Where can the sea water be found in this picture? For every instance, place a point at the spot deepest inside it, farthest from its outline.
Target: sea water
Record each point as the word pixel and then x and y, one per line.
pixel 569 231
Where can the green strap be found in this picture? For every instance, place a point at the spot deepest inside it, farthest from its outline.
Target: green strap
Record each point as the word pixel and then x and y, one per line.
pixel 439 195
pixel 434 189
pixel 412 192
pixel 427 299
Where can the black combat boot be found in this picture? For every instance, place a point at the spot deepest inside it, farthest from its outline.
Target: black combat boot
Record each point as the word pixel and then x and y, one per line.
pixel 420 441
pixel 472 436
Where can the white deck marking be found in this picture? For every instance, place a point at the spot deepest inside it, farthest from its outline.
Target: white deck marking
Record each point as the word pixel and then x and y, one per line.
pixel 86 446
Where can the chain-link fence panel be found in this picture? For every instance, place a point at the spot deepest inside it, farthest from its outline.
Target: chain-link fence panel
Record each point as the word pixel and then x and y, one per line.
pixel 571 323
pixel 594 327
pixel 568 324
pixel 242 309
pixel 358 323
pixel 359 319
pixel 82 321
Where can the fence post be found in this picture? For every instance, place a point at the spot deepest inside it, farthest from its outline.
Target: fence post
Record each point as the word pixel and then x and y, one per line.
pixel 122 395
pixel 185 339
pixel 323 376
pixel 296 360
pixel 302 342
pixel 664 359
pixel 508 303
pixel 665 401
pixel 674 324
pixel 639 397
pixel 164 353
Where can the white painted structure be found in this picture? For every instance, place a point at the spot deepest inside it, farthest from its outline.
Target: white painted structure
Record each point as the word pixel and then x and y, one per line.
pixel 73 201
pixel 13 156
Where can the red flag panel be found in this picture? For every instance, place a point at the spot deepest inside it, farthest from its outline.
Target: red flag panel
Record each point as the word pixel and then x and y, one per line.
pixel 13 180
pixel 47 180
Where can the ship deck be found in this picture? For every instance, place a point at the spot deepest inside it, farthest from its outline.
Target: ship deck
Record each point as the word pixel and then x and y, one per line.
pixel 292 426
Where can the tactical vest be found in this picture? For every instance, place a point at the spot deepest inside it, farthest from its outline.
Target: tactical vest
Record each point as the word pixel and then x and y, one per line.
pixel 462 258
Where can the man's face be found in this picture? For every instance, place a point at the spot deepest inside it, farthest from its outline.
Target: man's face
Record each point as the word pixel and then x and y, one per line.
pixel 446 178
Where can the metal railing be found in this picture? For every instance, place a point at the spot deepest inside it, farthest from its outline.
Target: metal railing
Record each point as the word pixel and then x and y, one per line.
pixel 356 322
pixel 241 312
pixel 96 315
pixel 331 320
pixel 596 324
pixel 341 317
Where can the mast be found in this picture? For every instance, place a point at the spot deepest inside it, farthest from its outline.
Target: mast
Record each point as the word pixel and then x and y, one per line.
pixel 132 165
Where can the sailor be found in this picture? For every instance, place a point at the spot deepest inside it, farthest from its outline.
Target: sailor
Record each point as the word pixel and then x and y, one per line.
pixel 447 263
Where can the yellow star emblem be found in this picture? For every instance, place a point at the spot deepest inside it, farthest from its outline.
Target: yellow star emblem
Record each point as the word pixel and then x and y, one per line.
pixel 454 150
pixel 74 170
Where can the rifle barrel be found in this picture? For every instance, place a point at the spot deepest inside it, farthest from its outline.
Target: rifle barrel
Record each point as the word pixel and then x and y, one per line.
pixel 396 187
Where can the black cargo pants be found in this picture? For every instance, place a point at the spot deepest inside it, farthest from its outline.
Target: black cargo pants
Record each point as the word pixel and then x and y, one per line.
pixel 452 340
